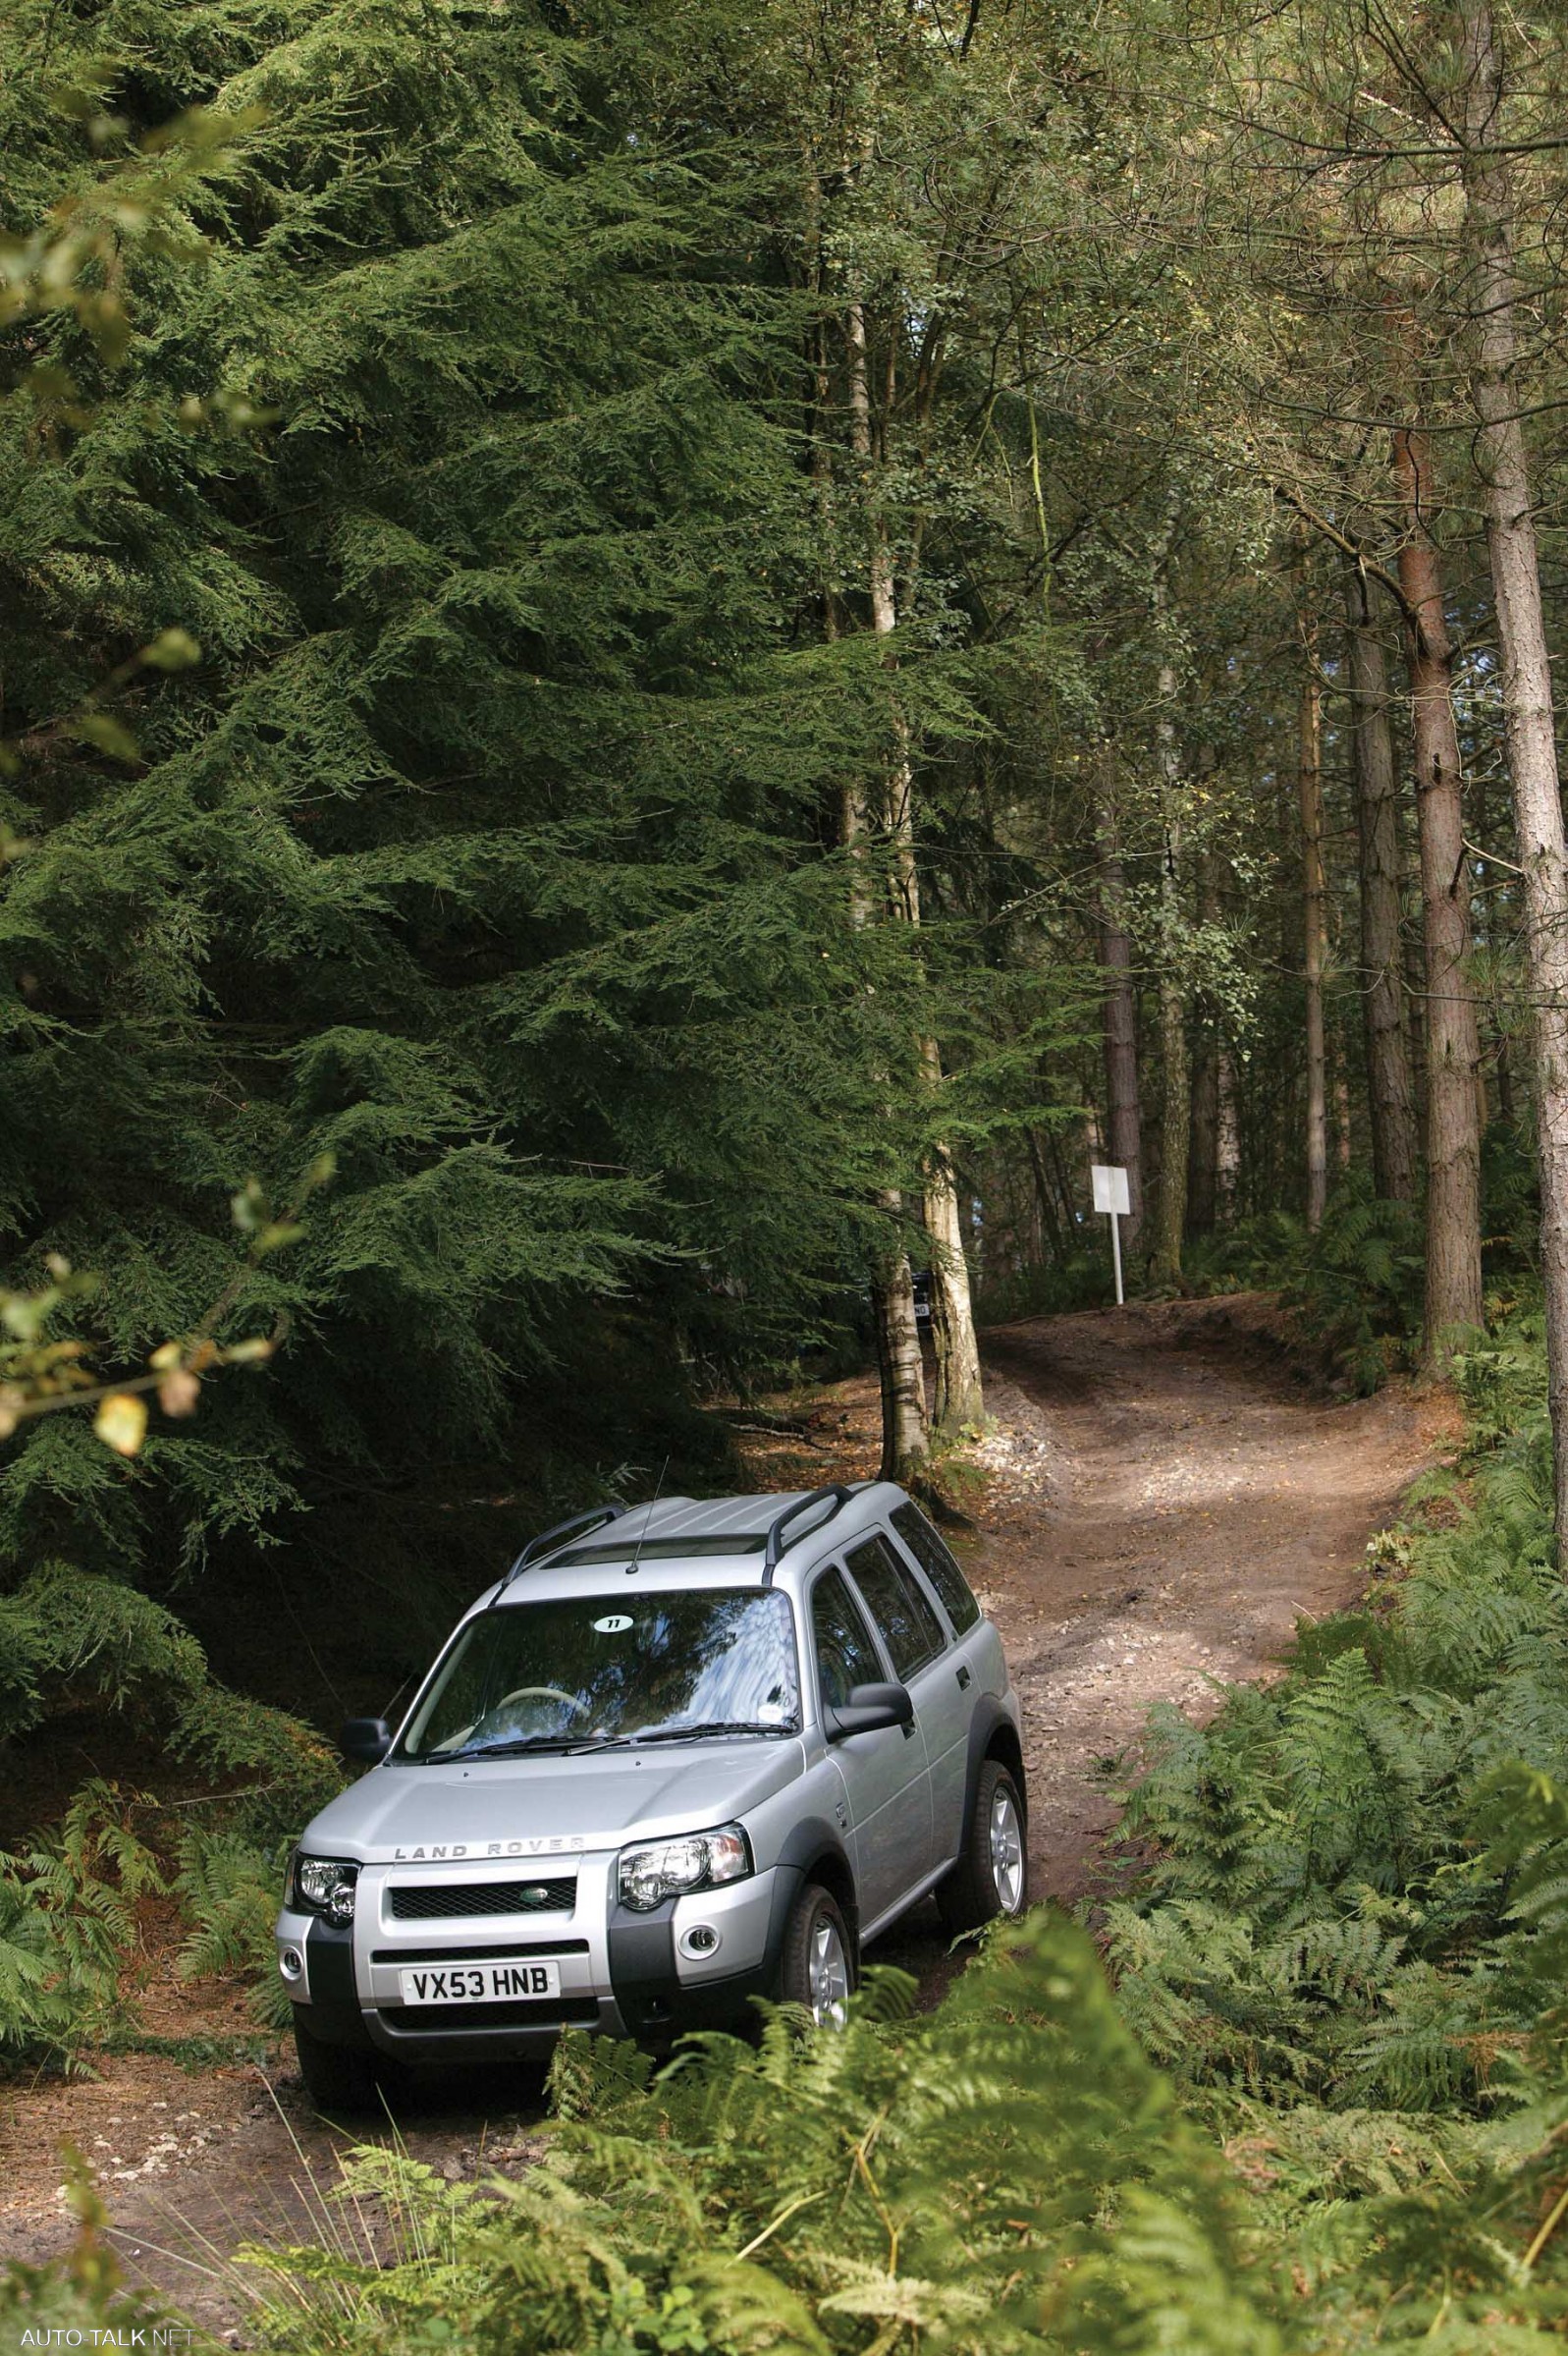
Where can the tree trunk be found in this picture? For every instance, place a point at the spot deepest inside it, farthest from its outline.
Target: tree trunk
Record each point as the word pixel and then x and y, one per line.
pixel 1118 1012
pixel 1046 1215
pixel 1164 1263
pixel 959 1401
pixel 1453 1145
pixel 1314 895
pixel 1526 690
pixel 905 1438
pixel 1202 1153
pixel 1229 1153
pixel 1341 1096
pixel 1202 1136
pixel 1389 1100
pixel 958 1396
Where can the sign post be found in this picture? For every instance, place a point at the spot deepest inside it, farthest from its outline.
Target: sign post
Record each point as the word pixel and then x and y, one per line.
pixel 1110 1181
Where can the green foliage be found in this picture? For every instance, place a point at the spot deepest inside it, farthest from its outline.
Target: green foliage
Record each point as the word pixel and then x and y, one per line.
pixel 71 1635
pixel 489 847
pixel 1336 1900
pixel 1007 2174
pixel 229 1890
pixel 1505 1404
pixel 1353 1288
pixel 68 1927
pixel 71 1639
pixel 1082 1279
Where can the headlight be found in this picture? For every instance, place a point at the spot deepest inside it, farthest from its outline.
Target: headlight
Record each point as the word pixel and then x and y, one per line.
pixel 325 1886
pixel 667 1869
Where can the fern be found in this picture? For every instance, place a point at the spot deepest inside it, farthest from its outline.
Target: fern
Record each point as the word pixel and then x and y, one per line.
pixel 1352 1287
pixel 1356 1889
pixel 1006 2175
pixel 230 1888
pixel 68 1927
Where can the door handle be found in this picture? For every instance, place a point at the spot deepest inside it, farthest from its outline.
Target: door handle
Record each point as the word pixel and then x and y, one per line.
pixel 965 1679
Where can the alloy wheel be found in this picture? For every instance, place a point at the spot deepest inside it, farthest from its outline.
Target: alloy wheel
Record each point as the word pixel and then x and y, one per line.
pixel 828 1976
pixel 1006 1851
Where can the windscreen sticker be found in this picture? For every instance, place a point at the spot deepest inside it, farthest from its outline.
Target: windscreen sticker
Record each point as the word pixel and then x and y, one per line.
pixel 614 1624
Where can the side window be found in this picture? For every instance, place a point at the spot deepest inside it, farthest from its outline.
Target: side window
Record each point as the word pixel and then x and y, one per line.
pixel 846 1654
pixel 938 1565
pixel 912 1629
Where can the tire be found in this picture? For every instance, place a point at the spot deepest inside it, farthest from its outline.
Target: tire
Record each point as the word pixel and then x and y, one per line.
pixel 819 1969
pixel 337 2077
pixel 991 1875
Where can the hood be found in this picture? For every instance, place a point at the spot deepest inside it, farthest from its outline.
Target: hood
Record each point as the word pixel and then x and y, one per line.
pixel 472 1811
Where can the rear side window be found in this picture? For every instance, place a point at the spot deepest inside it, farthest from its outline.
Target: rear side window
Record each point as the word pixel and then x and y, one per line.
pixel 938 1565
pixel 911 1629
pixel 846 1654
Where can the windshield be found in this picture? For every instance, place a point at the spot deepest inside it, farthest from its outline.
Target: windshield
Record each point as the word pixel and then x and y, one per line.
pixel 600 1669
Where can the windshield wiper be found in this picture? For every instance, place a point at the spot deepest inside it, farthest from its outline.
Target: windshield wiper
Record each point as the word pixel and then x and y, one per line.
pixel 723 1726
pixel 562 1744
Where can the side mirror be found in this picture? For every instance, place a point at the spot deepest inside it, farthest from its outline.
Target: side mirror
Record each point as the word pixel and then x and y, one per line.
pixel 367 1741
pixel 868 1708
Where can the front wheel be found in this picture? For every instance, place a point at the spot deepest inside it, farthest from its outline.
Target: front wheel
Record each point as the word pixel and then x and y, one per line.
pixel 337 2077
pixel 819 1963
pixel 991 1875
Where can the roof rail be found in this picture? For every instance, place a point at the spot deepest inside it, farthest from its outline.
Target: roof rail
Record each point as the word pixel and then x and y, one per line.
pixel 593 1520
pixel 836 1497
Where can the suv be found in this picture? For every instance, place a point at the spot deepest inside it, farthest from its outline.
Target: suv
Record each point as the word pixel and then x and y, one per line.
pixel 680 1756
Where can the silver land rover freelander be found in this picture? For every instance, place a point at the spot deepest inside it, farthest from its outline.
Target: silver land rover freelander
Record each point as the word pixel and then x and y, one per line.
pixel 680 1756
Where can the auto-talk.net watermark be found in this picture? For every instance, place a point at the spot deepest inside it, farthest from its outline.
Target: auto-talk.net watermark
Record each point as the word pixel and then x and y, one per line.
pixel 110 2335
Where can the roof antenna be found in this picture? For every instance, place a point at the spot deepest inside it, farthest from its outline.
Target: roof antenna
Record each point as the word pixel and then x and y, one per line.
pixel 636 1554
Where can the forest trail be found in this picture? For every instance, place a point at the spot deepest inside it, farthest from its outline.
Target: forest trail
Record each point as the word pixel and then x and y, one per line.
pixel 1204 1498
pixel 1164 1497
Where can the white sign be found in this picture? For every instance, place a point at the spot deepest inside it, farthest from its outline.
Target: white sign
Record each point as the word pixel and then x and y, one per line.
pixel 1110 1181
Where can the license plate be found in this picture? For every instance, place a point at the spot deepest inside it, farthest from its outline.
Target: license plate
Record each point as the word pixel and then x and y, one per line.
pixel 502 1983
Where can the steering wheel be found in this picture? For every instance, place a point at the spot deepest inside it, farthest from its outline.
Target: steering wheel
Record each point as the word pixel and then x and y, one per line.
pixel 523 1693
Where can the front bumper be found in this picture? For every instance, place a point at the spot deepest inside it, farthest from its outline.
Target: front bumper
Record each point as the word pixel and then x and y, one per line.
pixel 695 1962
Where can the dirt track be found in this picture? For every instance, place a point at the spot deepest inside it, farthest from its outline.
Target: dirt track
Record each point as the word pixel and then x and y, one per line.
pixel 1205 1500
pixel 1166 1497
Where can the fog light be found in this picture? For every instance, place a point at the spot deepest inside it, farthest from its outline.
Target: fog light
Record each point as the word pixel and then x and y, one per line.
pixel 701 1940
pixel 291 1962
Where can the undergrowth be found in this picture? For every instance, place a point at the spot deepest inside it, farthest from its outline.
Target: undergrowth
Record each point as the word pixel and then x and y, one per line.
pixel 1009 2174
pixel 1337 1902
pixel 68 1905
pixel 67 1925
pixel 1352 1289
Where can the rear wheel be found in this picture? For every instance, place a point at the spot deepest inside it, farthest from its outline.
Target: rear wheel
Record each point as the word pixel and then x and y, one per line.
pixel 336 2076
pixel 991 1875
pixel 819 1959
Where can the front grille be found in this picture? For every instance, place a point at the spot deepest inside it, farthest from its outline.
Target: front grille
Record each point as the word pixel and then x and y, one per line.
pixel 472 1955
pixel 434 2020
pixel 433 1901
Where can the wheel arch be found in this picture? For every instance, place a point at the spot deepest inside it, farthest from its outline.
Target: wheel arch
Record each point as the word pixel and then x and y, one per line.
pixel 993 1736
pixel 831 1869
pixel 814 1853
pixel 1006 1747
